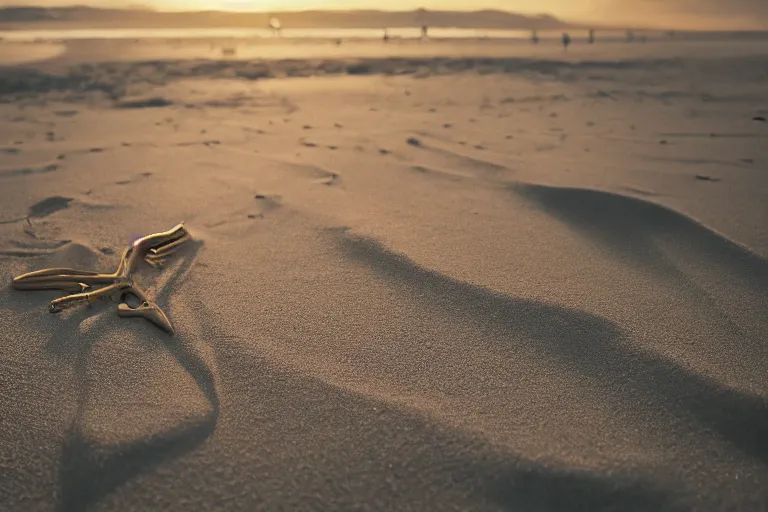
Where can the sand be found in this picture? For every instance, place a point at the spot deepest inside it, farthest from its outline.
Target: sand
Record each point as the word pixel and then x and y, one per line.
pixel 421 279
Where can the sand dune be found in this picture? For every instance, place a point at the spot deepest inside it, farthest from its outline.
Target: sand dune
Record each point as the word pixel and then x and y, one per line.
pixel 630 225
pixel 433 283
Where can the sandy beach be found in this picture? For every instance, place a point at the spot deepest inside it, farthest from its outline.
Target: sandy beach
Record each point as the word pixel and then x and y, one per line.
pixel 424 276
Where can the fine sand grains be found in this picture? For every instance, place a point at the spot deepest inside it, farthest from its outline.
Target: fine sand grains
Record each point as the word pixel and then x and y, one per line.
pixel 448 277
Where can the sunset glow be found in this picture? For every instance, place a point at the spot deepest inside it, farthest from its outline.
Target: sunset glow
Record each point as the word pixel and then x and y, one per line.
pixel 691 14
pixel 563 8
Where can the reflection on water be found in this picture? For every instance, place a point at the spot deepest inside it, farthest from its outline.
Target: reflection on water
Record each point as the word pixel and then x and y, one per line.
pixel 310 33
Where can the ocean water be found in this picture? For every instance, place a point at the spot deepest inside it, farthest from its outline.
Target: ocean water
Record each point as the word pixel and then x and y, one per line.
pixel 313 33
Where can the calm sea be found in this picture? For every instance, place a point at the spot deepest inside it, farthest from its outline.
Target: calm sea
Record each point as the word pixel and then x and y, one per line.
pixel 248 33
pixel 346 34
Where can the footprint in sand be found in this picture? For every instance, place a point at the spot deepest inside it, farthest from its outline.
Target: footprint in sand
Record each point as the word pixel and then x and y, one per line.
pixel 207 143
pixel 266 204
pixel 413 141
pixel 23 171
pixel 248 129
pixel 128 181
pixel 48 206
pixel 701 177
pixel 141 103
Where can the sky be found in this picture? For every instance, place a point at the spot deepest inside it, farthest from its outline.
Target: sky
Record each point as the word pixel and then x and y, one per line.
pixel 666 13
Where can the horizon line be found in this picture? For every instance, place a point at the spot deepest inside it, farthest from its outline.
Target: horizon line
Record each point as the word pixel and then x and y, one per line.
pixel 567 21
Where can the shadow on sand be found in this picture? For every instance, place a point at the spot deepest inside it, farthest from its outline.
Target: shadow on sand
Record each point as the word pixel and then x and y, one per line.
pixel 580 342
pixel 89 471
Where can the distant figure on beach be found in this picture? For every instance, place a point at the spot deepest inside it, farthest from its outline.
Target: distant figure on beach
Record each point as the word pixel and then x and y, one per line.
pixel 591 38
pixel 385 37
pixel 566 40
pixel 630 36
pixel 424 31
pixel 276 26
pixel 535 37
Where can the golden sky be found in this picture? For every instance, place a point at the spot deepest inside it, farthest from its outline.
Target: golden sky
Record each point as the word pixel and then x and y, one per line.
pixel 679 13
pixel 516 5
pixel 529 6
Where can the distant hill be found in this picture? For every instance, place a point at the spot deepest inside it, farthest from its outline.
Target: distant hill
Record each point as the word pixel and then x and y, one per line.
pixel 76 16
